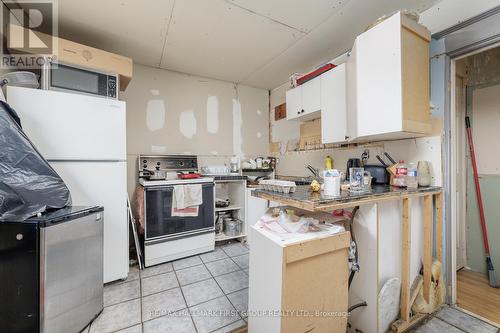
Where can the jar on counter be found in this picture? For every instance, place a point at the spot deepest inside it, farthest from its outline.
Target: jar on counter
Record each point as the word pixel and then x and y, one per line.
pixel 424 173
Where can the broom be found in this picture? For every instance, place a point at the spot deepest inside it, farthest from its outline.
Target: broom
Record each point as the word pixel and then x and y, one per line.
pixel 489 263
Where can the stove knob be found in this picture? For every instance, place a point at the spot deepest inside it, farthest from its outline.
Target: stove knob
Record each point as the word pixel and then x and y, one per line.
pixel 145 166
pixel 181 163
pixel 144 161
pixel 157 163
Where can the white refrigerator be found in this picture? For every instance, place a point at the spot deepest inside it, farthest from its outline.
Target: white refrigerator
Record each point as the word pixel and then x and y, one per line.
pixel 84 140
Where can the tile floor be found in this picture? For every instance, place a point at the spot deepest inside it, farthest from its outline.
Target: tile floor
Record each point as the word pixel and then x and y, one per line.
pixel 452 320
pixel 199 294
pixel 209 293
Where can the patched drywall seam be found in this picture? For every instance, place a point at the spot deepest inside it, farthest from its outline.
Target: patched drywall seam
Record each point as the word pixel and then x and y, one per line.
pixel 187 123
pixel 212 114
pixel 155 112
pixel 158 149
pixel 237 123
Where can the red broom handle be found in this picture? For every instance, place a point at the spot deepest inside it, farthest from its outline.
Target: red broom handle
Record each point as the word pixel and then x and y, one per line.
pixel 478 188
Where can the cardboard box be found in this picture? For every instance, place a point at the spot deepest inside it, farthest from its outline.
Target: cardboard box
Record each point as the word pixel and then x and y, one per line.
pixel 82 55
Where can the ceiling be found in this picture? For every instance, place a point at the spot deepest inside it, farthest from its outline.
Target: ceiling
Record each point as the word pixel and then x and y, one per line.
pixel 254 42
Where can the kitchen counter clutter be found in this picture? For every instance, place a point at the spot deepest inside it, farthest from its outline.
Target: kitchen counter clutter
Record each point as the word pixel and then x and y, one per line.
pixel 385 220
pixel 298 282
pixel 316 201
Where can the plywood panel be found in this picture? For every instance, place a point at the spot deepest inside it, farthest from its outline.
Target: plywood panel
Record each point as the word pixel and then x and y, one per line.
pixel 325 290
pixel 415 71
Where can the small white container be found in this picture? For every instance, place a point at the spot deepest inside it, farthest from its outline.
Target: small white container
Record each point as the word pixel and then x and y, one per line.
pixel 331 183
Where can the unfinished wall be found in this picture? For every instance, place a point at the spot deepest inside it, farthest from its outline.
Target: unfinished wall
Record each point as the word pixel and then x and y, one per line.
pixel 483 101
pixel 174 113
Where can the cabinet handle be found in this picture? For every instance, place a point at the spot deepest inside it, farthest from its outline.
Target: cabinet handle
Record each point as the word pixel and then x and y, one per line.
pixel 346 137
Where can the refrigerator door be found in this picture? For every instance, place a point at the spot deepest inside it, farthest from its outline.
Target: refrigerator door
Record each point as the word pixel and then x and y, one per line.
pixel 71 274
pixel 65 126
pixel 103 184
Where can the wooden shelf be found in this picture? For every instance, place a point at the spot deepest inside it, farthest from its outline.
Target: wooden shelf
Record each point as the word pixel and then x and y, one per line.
pixel 223 237
pixel 224 209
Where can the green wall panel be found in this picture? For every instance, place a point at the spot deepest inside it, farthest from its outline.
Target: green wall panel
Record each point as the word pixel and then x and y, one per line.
pixel 490 189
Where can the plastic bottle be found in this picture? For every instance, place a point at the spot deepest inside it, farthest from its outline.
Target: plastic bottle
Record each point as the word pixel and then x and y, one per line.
pixel 411 176
pixel 401 172
pixel 328 162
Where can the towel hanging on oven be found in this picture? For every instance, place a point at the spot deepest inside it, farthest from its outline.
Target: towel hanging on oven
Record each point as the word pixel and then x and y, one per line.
pixel 186 200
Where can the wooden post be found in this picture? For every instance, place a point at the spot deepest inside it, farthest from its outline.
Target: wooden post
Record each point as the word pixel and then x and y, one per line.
pixel 405 261
pixel 427 245
pixel 439 227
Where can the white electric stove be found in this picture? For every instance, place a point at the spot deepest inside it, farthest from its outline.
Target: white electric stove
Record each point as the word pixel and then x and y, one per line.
pixel 168 237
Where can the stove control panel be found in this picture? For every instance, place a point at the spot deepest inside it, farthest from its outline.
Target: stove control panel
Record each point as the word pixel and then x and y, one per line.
pixel 172 163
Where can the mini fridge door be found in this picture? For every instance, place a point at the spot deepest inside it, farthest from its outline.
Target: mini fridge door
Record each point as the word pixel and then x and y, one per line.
pixel 71 294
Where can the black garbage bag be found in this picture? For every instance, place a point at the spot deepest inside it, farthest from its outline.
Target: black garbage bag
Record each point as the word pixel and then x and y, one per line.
pixel 28 184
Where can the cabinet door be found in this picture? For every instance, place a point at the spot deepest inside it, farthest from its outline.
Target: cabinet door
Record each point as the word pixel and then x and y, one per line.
pixel 378 80
pixel 293 103
pixel 311 96
pixel 333 105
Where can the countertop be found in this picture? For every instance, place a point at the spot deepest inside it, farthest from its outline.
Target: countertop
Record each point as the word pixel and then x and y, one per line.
pixel 317 201
pixel 227 177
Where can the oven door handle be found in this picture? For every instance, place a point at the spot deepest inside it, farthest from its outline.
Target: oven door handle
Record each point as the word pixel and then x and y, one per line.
pixel 162 239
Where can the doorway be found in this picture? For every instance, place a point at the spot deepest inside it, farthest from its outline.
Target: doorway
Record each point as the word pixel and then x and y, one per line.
pixel 477 95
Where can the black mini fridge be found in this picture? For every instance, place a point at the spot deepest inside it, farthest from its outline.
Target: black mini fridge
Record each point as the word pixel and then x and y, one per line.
pixel 51 271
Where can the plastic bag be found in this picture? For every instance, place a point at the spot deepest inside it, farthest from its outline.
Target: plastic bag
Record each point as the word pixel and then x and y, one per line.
pixel 28 184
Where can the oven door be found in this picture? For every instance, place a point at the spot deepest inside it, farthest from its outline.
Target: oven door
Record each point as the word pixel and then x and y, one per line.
pixel 159 223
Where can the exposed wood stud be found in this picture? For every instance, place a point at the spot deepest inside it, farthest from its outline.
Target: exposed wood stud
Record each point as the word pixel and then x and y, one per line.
pixel 439 226
pixel 405 261
pixel 427 246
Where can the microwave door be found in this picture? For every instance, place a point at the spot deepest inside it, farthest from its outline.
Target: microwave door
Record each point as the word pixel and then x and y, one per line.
pixel 80 80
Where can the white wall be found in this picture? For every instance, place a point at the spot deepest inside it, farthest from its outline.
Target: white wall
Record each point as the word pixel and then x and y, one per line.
pixel 448 13
pixel 175 113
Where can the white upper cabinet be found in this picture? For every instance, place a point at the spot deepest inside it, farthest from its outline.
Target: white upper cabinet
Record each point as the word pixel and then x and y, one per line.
pixel 388 82
pixel 333 105
pixel 304 102
pixel 293 103
pixel 311 95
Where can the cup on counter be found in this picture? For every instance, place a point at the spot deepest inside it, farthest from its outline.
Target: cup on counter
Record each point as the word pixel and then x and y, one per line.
pixel 356 179
pixel 367 180
pixel 331 183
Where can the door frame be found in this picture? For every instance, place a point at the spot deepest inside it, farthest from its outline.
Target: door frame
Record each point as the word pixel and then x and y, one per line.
pixel 466 38
pixel 461 170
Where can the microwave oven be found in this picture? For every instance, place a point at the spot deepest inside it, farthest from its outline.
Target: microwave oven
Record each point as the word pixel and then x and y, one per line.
pixel 71 78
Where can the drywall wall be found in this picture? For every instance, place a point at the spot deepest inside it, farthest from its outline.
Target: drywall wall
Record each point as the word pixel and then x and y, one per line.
pixel 448 13
pixel 175 113
pixel 483 107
